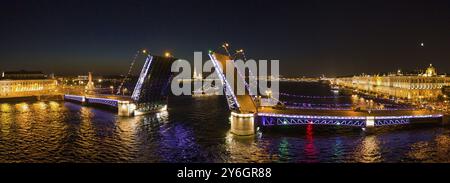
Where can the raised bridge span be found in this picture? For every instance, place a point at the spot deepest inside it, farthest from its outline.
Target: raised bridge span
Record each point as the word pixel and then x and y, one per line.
pixel 151 92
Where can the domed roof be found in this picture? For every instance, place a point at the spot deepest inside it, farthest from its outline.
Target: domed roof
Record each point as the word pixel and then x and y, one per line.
pixel 431 71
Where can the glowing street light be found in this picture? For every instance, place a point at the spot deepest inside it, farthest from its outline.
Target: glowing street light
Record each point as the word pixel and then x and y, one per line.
pixel 167 54
pixel 112 89
pixel 269 93
pixel 225 46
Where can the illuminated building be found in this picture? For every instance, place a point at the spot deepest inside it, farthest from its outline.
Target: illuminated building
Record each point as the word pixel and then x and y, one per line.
pixel 25 83
pixel 423 86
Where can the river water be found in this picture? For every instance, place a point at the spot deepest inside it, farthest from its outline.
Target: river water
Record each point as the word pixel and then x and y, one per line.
pixel 196 129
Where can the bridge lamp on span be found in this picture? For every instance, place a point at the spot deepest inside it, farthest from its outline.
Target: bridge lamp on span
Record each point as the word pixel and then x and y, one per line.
pixel 269 93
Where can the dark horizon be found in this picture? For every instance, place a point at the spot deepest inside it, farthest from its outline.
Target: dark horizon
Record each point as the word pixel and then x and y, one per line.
pixel 309 38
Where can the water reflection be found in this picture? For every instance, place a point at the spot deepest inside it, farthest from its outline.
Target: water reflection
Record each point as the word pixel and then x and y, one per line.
pixel 22 107
pixel 283 150
pixel 420 151
pixel 443 147
pixel 368 151
pixel 338 150
pixel 5 108
pixel 310 149
pixel 246 149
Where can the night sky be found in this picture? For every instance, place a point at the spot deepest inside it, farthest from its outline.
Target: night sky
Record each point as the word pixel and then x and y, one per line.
pixel 309 38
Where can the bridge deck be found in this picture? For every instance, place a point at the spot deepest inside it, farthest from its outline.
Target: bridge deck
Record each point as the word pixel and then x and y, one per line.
pixel 271 117
pixel 246 104
pixel 112 97
pixel 348 113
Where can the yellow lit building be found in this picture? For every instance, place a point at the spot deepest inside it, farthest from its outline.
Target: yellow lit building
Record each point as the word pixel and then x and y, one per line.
pixel 19 88
pixel 425 86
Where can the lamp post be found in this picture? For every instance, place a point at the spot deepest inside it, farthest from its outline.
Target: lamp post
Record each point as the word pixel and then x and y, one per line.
pixel 225 46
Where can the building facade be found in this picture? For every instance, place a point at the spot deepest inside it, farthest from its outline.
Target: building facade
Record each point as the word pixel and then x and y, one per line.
pixel 425 86
pixel 18 88
pixel 25 83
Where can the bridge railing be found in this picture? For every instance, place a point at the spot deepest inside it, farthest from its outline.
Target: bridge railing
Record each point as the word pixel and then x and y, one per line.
pixel 270 119
pixel 75 98
pixel 103 101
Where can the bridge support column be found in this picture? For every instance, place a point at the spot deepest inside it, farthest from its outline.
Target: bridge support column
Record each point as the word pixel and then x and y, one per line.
pixel 242 124
pixel 83 100
pixel 370 121
pixel 125 108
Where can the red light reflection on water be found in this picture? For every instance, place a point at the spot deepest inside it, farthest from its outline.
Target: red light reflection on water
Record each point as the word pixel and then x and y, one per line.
pixel 310 149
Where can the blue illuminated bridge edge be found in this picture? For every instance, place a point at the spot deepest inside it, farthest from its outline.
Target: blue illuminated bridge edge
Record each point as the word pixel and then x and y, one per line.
pixel 271 119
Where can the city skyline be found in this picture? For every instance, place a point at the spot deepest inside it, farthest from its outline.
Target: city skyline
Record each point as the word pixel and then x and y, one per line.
pixel 348 38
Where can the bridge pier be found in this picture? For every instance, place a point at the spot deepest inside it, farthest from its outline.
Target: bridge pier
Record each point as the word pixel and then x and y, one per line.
pixel 242 124
pixel 125 108
pixel 370 121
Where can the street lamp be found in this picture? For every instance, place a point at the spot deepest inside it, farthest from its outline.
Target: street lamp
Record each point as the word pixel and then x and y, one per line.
pixel 225 46
pixel 269 93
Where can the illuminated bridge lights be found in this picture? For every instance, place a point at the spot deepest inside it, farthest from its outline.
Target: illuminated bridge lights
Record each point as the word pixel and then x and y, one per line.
pixel 385 122
pixel 138 87
pixel 310 96
pixel 271 119
pixel 75 98
pixel 231 98
pixel 110 102
pixel 410 117
pixel 316 104
pixel 318 108
pixel 82 99
pixel 310 116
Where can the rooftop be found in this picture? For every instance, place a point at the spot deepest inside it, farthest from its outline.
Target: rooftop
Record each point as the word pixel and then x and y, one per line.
pixel 23 72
